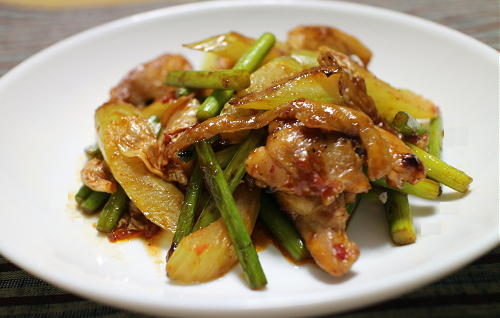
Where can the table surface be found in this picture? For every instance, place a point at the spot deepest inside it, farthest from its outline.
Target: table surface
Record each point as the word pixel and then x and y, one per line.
pixel 24 30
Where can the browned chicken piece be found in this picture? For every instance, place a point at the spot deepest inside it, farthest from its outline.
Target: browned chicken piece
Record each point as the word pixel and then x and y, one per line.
pixel 178 117
pixel 352 88
pixel 406 167
pixel 311 37
pixel 312 114
pixel 238 136
pixel 311 170
pixel 146 82
pixel 323 230
pixel 96 175
pixel 306 161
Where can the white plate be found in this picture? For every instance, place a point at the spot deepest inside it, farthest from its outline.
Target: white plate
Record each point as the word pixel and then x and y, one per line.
pixel 46 118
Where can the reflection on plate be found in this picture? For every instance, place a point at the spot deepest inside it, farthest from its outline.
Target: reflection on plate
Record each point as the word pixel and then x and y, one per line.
pixel 47 115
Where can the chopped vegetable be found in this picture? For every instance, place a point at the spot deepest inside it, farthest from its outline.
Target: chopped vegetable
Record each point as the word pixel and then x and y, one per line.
pixel 93 151
pixel 231 46
pixel 388 99
pixel 425 188
pixel 207 254
pixel 249 62
pixel 351 207
pixel 436 137
pixel 112 211
pixel 407 125
pixel 82 194
pixel 317 84
pixel 159 201
pixel 282 228
pixel 234 172
pixel 221 79
pixel 399 218
pixel 94 202
pixel 275 70
pixel 157 109
pixel 187 215
pixel 442 172
pixel 222 195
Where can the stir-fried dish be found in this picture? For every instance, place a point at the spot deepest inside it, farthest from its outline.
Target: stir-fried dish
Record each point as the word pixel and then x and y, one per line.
pixel 291 135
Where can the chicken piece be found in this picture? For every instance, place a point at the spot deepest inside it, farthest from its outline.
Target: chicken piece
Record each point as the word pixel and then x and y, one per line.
pixel 305 161
pixel 311 37
pixel 96 175
pixel 406 167
pixel 323 230
pixel 179 116
pixel 237 136
pixel 313 172
pixel 146 83
pixel 352 88
pixel 312 114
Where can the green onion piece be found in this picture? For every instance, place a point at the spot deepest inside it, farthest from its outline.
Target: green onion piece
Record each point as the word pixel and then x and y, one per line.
pixel 399 218
pixel 82 194
pixel 407 125
pixel 93 151
pixel 186 217
pixel 94 202
pixel 425 188
pixel 234 173
pixel 442 172
pixel 282 228
pixel 436 137
pixel 249 61
pixel 216 183
pixel 112 211
pixel 218 79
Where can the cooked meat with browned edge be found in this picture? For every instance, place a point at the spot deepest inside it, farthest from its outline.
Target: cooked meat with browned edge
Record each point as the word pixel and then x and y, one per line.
pixel 308 162
pixel 323 229
pixel 96 175
pixel 311 37
pixel 311 171
pixel 146 82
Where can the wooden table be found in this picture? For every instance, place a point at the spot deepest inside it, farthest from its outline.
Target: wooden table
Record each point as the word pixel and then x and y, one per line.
pixel 472 292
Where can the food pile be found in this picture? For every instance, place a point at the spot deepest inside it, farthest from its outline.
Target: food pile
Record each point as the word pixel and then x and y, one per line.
pixel 293 134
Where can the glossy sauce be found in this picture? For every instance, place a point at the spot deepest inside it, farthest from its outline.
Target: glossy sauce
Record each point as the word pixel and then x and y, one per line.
pixel 262 238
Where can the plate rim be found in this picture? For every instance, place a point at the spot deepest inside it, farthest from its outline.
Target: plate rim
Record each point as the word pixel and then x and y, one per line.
pixel 310 305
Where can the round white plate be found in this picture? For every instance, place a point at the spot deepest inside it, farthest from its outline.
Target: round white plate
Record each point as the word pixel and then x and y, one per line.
pixel 46 118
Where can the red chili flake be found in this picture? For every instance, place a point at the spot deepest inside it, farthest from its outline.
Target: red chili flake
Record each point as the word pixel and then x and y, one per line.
pixel 340 251
pixel 200 248
pixel 272 169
